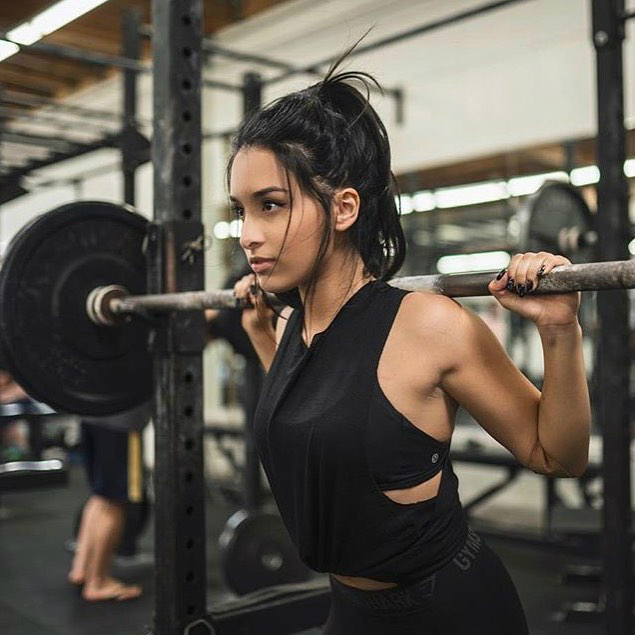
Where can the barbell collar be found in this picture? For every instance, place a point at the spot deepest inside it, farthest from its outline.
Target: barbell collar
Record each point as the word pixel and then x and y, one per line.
pixel 106 305
pixel 99 304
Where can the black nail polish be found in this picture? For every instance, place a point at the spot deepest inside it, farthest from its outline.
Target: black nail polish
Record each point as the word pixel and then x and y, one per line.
pixel 520 289
pixel 510 284
pixel 501 274
pixel 253 289
pixel 541 271
pixel 530 286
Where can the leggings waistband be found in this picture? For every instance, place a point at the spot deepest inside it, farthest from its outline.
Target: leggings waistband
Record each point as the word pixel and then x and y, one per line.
pixel 402 597
pixel 411 595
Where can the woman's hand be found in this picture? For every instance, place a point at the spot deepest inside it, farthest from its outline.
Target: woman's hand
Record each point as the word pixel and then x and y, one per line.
pixel 256 319
pixel 513 290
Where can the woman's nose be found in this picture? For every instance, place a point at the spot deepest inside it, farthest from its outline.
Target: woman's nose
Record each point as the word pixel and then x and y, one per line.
pixel 250 235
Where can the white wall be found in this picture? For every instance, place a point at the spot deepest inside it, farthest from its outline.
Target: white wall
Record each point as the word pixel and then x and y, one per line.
pixel 521 75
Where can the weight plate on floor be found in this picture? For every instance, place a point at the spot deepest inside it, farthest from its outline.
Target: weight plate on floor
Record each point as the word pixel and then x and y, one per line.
pixel 47 340
pixel 257 552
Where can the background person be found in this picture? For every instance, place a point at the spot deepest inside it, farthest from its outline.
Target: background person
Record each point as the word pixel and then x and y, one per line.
pixel 113 459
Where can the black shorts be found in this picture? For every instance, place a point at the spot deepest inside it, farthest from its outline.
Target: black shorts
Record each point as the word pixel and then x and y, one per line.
pixel 472 594
pixel 113 461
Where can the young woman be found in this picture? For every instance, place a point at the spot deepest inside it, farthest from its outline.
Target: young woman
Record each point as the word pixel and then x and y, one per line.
pixel 357 412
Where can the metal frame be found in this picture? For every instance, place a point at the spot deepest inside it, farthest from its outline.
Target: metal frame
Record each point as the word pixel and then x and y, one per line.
pixel 111 141
pixel 102 60
pixel 10 181
pixel 132 144
pixel 212 48
pixel 3 117
pixel 23 99
pixel 79 55
pixel 180 571
pixel 253 486
pixel 76 178
pixel 613 312
pixel 40 140
pixel 48 119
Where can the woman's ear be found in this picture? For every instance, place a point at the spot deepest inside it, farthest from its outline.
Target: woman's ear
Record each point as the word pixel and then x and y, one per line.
pixel 346 208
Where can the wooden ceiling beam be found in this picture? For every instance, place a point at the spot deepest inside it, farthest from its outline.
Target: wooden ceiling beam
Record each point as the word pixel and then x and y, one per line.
pixel 70 70
pixel 14 13
pixel 525 161
pixel 217 14
pixel 89 39
pixel 31 78
pixel 547 158
pixel 29 91
pixel 99 31
pixel 251 7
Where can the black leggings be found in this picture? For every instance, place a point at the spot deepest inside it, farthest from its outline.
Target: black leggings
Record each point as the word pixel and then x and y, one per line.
pixel 470 595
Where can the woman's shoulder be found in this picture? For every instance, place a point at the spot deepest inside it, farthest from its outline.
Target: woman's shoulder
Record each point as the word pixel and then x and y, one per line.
pixel 432 320
pixel 443 325
pixel 430 311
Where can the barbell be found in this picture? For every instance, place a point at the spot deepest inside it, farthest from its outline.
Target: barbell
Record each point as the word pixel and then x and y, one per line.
pixel 108 305
pixel 71 275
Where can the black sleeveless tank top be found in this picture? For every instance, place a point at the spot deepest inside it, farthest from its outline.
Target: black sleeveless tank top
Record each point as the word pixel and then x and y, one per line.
pixel 328 439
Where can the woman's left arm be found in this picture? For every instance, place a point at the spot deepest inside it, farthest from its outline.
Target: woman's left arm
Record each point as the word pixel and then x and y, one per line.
pixel 547 431
pixel 564 413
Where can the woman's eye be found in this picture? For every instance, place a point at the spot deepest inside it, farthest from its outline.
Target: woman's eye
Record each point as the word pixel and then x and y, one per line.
pixel 239 212
pixel 270 206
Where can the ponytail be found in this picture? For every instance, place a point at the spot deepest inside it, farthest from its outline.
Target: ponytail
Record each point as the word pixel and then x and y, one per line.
pixel 328 136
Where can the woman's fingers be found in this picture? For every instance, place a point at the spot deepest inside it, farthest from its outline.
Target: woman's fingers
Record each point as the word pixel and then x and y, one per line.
pixel 257 316
pixel 246 288
pixel 525 270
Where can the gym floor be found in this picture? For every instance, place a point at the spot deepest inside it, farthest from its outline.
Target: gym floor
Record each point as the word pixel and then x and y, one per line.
pixel 36 600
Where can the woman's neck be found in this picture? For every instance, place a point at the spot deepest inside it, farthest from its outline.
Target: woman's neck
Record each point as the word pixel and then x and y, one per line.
pixel 336 283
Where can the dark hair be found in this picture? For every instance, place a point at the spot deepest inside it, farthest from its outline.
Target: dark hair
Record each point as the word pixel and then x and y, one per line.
pixel 329 137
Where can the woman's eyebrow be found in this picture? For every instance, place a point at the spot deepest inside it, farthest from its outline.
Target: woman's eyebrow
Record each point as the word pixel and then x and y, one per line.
pixel 269 190
pixel 262 193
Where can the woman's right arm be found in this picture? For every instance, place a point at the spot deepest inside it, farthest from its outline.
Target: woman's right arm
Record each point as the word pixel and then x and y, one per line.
pixel 257 322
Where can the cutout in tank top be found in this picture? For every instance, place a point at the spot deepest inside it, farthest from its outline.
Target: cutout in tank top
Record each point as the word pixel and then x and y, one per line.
pixel 400 454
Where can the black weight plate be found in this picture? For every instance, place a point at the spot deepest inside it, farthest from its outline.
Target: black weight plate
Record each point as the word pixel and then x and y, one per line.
pixel 554 207
pixel 47 340
pixel 257 552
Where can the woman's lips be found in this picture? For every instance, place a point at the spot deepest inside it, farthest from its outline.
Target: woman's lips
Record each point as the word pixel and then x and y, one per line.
pixel 262 265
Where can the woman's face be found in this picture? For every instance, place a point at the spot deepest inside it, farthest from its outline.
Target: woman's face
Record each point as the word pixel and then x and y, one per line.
pixel 281 244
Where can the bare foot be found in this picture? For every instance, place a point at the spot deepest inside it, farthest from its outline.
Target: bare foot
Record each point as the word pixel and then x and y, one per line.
pixel 110 589
pixel 76 577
